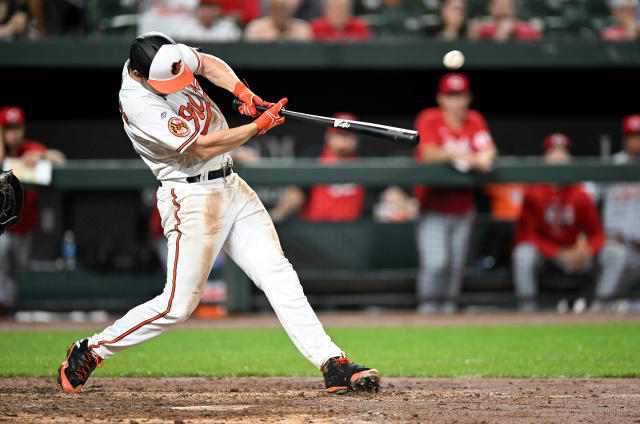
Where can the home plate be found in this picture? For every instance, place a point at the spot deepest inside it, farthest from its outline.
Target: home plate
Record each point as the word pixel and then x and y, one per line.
pixel 210 407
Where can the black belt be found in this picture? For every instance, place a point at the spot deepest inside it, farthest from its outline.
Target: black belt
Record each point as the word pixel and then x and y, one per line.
pixel 212 175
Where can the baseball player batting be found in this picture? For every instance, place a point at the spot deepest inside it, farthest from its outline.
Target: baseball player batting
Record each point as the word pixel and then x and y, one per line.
pixel 205 206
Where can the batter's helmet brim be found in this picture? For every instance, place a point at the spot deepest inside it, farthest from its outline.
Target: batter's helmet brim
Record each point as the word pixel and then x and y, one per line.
pixel 175 84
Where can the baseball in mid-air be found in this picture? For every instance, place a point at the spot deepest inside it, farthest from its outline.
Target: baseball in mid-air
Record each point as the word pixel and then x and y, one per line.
pixel 453 60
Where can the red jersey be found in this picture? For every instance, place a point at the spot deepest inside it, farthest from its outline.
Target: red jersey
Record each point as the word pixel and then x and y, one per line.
pixel 334 202
pixel 29 214
pixel 472 137
pixel 355 29
pixel 521 31
pixel 553 217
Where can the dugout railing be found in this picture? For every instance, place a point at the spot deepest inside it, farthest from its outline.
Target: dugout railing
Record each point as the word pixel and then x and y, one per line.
pixel 342 265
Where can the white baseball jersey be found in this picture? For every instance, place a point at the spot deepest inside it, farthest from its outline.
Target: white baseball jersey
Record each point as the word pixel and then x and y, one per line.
pixel 621 203
pixel 200 219
pixel 161 128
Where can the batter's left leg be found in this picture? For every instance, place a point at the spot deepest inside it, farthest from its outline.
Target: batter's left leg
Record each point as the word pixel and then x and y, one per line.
pixel 253 244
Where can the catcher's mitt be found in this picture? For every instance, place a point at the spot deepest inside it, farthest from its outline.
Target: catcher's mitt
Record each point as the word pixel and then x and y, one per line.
pixel 11 198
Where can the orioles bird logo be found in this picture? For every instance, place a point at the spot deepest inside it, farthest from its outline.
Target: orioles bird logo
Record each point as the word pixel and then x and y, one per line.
pixel 175 67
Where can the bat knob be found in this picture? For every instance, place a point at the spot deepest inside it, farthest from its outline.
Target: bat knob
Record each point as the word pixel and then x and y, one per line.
pixel 236 103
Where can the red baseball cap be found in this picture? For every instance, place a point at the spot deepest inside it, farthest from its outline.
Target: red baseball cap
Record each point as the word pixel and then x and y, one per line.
pixel 631 124
pixel 556 140
pixel 11 115
pixel 341 116
pixel 454 83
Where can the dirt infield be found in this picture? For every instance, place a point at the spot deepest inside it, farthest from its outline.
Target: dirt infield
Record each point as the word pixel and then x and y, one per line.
pixel 302 400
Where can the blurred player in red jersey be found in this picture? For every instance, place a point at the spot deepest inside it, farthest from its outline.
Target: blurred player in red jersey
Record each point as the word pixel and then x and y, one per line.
pixel 338 23
pixel 558 224
pixel 15 244
pixel 503 24
pixel 620 257
pixel 449 133
pixel 327 202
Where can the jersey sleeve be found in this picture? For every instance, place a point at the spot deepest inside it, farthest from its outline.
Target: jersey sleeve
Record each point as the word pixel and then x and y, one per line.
pixel 426 127
pixel 591 222
pixel 482 139
pixel 161 125
pixel 191 58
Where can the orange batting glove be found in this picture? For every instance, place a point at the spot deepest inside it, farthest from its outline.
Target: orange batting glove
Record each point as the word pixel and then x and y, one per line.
pixel 270 117
pixel 249 100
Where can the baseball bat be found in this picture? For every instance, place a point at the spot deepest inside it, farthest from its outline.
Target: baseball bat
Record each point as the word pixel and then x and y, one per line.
pixel 394 134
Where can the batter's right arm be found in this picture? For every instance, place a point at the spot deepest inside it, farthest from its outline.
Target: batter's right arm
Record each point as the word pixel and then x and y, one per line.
pixel 223 141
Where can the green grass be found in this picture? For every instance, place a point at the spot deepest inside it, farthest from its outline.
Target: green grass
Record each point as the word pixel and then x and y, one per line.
pixel 584 350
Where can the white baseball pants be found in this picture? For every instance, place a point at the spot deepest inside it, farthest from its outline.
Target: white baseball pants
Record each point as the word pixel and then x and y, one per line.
pixel 199 220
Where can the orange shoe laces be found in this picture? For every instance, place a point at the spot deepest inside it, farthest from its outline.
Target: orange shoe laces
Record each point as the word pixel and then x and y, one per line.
pixel 86 366
pixel 342 360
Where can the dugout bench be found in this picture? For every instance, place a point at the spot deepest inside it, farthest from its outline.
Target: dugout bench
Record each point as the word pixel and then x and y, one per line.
pixel 341 265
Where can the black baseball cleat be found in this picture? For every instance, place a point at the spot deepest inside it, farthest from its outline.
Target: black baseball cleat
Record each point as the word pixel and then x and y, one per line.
pixel 80 363
pixel 342 375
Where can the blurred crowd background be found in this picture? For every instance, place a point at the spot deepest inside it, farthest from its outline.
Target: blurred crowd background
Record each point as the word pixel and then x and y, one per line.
pixel 269 20
pixel 436 249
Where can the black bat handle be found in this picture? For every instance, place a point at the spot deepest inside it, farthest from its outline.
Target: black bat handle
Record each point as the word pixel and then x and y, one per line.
pixel 237 103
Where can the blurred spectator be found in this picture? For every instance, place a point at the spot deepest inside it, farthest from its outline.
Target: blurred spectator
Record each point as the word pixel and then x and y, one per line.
pixel 208 23
pixel 456 134
pixel 453 25
pixel 625 13
pixel 395 206
pixel 327 202
pixel 503 24
pixel 168 16
pixel 559 226
pixel 13 19
pixel 338 23
pixel 59 16
pixel 280 201
pixel 398 18
pixel 243 10
pixel 15 244
pixel 279 24
pixel 621 216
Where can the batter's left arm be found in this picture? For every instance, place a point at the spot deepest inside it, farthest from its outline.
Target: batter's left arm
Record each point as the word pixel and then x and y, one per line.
pixel 219 73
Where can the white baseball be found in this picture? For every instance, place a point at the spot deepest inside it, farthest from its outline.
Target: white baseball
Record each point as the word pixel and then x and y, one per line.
pixel 453 60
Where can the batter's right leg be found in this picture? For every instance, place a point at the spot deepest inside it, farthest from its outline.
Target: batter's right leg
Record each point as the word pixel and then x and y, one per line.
pixel 433 248
pixel 526 261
